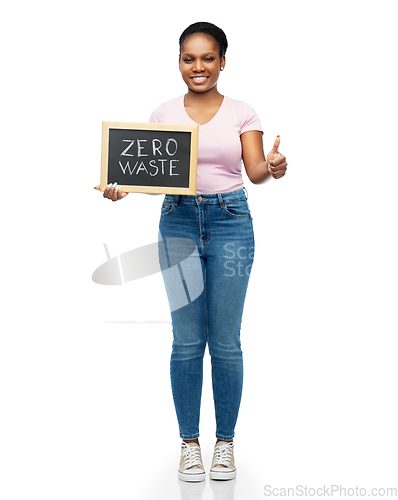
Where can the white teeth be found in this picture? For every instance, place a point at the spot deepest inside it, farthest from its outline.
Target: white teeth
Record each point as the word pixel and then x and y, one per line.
pixel 199 78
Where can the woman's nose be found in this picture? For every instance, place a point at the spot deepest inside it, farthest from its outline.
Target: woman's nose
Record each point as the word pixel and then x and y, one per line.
pixel 198 65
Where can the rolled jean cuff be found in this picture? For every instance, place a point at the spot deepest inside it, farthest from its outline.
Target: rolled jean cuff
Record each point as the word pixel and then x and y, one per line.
pixel 192 436
pixel 224 438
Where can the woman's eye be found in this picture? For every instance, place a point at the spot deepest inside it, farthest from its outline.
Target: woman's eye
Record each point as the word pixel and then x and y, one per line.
pixel 187 60
pixel 209 59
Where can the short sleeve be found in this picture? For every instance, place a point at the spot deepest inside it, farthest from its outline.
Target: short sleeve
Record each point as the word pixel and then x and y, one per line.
pixel 157 115
pixel 248 119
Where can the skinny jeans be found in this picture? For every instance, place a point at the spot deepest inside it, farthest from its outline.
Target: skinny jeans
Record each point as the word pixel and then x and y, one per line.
pixel 206 250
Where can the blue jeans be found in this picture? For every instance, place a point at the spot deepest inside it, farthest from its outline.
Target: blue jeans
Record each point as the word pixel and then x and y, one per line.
pixel 209 240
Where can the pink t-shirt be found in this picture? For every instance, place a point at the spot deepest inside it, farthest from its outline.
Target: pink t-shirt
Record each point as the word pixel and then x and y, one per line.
pixel 220 149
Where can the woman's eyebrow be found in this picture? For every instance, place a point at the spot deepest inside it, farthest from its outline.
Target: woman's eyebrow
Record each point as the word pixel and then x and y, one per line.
pixel 202 55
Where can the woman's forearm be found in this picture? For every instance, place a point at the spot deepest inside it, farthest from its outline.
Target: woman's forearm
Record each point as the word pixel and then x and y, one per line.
pixel 259 173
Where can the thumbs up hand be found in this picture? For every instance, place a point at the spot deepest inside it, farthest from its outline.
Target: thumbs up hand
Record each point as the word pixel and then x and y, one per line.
pixel 276 161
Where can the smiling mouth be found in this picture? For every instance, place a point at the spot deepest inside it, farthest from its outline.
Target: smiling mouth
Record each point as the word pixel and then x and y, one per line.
pixel 199 78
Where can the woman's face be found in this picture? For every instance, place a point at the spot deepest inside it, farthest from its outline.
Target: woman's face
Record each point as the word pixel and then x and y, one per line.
pixel 200 62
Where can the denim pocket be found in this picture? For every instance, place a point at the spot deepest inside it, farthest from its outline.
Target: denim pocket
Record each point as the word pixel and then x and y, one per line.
pixel 167 208
pixel 237 208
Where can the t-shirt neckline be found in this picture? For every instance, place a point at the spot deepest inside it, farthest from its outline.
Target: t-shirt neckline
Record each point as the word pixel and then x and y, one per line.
pixel 212 119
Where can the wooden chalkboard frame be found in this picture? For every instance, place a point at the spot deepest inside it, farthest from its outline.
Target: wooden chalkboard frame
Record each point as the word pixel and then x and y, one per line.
pixel 192 129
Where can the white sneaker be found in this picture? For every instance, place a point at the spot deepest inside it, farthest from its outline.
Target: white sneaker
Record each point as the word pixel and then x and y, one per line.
pixel 191 466
pixel 223 465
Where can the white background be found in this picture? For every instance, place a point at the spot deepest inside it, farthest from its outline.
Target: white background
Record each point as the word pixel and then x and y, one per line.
pixel 87 410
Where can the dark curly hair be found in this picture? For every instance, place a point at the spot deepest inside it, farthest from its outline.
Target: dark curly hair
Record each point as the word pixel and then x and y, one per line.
pixel 207 29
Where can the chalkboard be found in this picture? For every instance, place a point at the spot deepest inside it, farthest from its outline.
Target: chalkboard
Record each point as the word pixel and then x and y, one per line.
pixel 150 157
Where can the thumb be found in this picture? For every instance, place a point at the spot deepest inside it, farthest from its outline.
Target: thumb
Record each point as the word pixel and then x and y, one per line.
pixel 276 144
pixel 97 187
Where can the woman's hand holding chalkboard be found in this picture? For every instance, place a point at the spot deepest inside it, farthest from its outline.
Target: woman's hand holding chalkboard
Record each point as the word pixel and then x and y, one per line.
pixel 113 192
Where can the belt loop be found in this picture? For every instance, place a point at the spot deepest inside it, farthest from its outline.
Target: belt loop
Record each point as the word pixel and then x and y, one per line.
pixel 221 201
pixel 176 198
pixel 246 194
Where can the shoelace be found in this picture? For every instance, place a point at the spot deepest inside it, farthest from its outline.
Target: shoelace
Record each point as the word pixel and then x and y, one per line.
pixel 223 454
pixel 191 455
